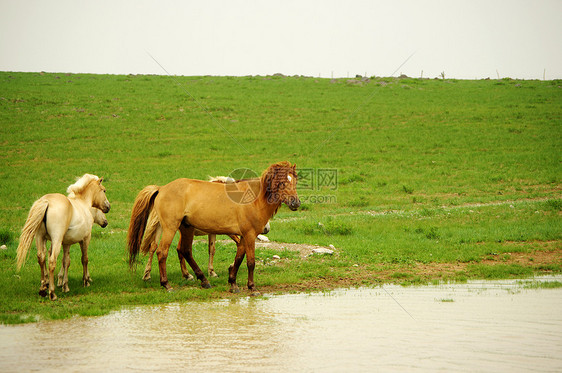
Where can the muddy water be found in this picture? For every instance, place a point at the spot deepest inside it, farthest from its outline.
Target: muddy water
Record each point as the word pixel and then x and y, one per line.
pixel 480 326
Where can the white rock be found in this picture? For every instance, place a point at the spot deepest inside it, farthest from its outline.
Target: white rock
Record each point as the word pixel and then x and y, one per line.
pixel 3 247
pixel 331 247
pixel 276 257
pixel 262 238
pixel 322 251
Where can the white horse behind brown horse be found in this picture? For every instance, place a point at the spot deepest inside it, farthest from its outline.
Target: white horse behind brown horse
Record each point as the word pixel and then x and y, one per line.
pixel 64 220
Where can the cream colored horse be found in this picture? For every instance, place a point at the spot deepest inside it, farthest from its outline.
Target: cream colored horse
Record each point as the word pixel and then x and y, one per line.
pixel 99 219
pixel 64 220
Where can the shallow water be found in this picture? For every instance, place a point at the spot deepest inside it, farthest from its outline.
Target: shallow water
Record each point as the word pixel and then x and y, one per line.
pixel 479 326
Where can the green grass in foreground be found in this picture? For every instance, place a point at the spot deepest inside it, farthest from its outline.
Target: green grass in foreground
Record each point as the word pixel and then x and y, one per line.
pixel 428 173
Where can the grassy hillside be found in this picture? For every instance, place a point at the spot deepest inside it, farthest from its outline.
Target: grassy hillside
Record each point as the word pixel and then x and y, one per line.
pixel 397 174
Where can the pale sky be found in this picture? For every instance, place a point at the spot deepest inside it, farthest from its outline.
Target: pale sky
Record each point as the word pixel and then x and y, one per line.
pixel 464 39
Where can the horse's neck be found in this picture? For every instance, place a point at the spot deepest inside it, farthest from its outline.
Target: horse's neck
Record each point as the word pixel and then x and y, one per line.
pixel 269 208
pixel 81 214
pixel 80 203
pixel 84 198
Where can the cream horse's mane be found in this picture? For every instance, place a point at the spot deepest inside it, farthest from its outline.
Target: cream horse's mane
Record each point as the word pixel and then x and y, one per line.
pixel 221 179
pixel 80 184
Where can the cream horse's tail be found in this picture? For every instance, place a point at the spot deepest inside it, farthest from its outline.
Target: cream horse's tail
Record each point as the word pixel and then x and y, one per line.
pixel 32 224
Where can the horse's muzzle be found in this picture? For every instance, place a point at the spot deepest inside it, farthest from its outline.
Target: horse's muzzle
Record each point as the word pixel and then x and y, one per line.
pixel 294 203
pixel 106 207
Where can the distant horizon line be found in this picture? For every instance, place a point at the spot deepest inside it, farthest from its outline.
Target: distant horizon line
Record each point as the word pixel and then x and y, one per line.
pixel 281 75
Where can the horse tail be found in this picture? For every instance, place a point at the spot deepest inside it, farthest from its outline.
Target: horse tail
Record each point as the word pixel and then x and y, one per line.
pixel 151 232
pixel 141 209
pixel 32 224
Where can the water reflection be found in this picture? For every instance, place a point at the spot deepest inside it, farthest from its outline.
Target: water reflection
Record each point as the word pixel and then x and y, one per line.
pixel 477 326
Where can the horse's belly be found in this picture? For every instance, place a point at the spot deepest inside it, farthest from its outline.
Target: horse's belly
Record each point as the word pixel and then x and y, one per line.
pixel 212 226
pixel 74 235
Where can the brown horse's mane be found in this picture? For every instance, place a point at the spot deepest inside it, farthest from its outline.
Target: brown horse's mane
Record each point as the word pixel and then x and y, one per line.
pixel 273 177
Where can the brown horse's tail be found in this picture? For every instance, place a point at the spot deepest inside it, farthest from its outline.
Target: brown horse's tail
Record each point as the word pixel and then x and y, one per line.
pixel 32 224
pixel 139 216
pixel 151 232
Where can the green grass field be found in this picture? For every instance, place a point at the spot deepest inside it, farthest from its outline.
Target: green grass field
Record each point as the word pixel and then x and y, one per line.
pixel 397 174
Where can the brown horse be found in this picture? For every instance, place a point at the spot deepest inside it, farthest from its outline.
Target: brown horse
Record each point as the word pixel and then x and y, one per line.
pixel 154 231
pixel 65 220
pixel 240 210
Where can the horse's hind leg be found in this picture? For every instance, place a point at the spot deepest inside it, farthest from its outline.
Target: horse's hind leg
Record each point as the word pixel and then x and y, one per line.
pixel 63 273
pixel 148 267
pixel 162 252
pixel 185 273
pixel 55 250
pixel 211 268
pixel 186 242
pixel 86 279
pixel 41 259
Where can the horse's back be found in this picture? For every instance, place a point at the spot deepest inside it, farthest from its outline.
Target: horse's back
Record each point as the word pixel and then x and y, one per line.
pixel 204 204
pixel 58 202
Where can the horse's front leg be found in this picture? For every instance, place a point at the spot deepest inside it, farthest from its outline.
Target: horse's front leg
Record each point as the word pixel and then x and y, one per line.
pixel 233 269
pixel 210 267
pixel 86 279
pixel 55 250
pixel 41 259
pixel 251 261
pixel 63 273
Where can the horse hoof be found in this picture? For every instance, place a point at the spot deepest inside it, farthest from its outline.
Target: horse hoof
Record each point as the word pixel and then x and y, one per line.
pixel 255 293
pixel 65 289
pixel 235 290
pixel 170 290
pixel 213 274
pixel 43 292
pixel 189 277
pixel 146 278
pixel 206 285
pixel 52 296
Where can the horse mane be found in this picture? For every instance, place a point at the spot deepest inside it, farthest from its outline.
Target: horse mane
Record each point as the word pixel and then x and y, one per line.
pixel 272 177
pixel 81 184
pixel 222 179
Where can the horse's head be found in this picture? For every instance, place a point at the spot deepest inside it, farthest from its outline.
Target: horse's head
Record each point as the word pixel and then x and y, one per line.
pixel 280 182
pixel 99 217
pixel 90 185
pixel 100 199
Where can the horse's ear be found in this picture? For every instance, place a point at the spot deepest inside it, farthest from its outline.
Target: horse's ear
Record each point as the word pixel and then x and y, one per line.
pixel 101 180
pixel 295 167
